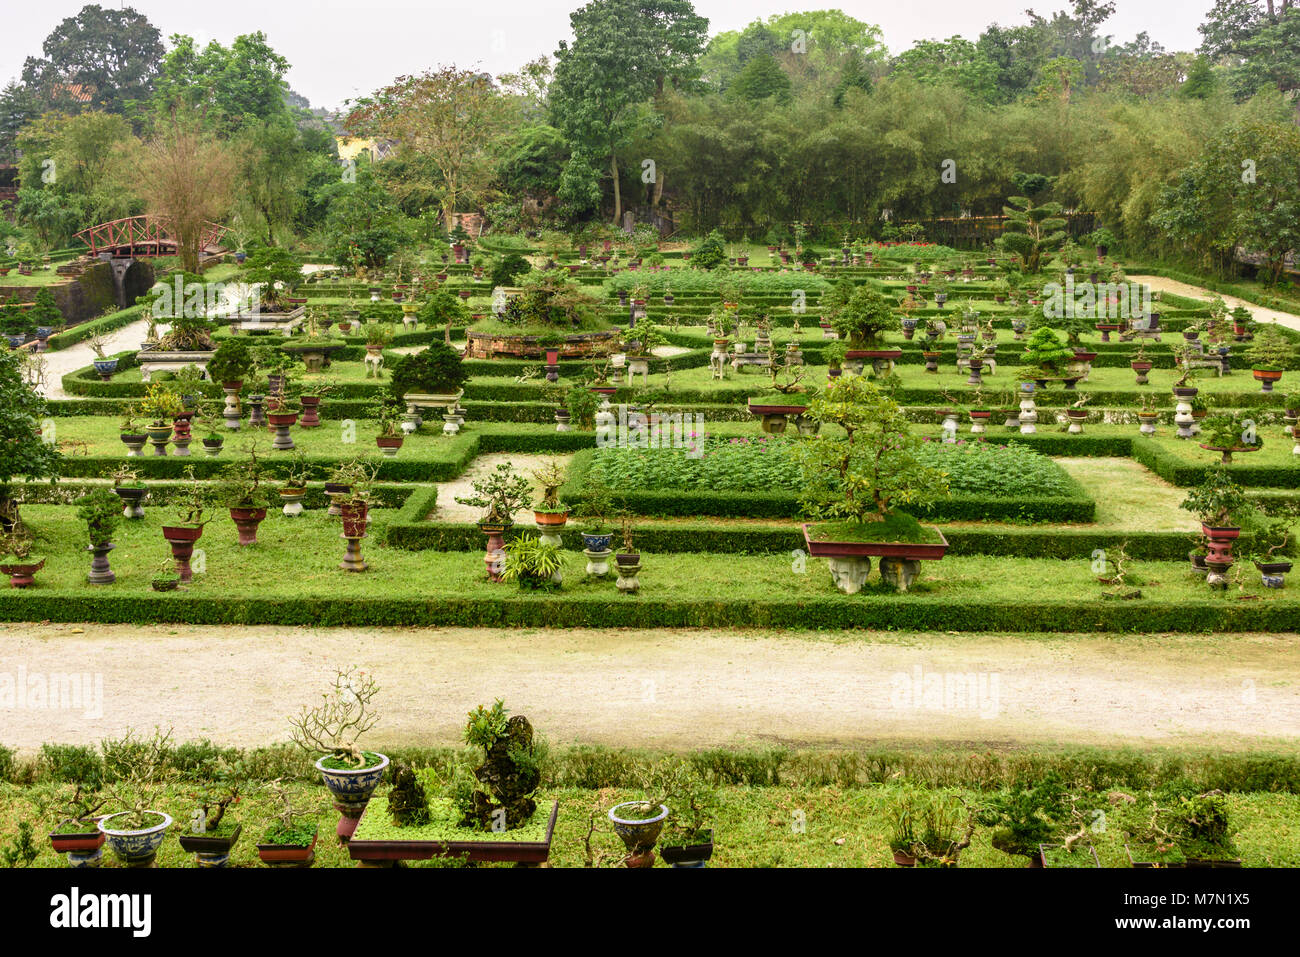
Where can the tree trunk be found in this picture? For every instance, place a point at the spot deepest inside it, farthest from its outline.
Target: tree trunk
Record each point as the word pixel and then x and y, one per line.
pixel 659 186
pixel 618 196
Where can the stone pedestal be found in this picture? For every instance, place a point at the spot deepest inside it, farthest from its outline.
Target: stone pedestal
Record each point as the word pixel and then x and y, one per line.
pixel 1183 418
pixel 850 574
pixel 451 422
pixel 160 444
pixel 182 552
pixel 1028 414
pixel 182 444
pixel 899 572
pixel 597 562
pixel 231 412
pixel 100 573
pixel 353 562
pixel 627 580
pixel 292 503
pixel 256 415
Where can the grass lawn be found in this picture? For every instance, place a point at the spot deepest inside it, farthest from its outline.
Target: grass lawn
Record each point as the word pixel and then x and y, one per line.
pixel 755 827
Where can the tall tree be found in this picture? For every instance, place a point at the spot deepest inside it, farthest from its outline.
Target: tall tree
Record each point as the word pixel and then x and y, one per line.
pixel 446 118
pixel 226 85
pixel 105 59
pixel 185 175
pixel 623 52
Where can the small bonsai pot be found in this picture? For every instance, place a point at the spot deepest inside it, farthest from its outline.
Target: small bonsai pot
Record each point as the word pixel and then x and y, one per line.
pixel 136 848
pixel 82 847
pixel 628 559
pixel 389 444
pixel 212 445
pixel 105 368
pixel 689 855
pixel 1273 574
pixel 21 574
pixel 288 855
pixel 165 584
pixel 210 851
pixel 904 859
pixel 131 498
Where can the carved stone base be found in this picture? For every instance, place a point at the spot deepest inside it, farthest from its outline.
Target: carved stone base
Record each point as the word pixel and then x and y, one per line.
pixel 352 560
pixel 899 572
pixel 850 574
pixel 597 562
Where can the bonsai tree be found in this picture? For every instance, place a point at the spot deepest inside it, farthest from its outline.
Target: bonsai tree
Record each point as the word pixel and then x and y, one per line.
pixel 1032 232
pixel 500 494
pixel 932 827
pixel 193 505
pixel 1045 352
pixel 691 799
pixel 334 727
pixel 444 309
pixel 437 370
pixel 1179 822
pixel 1026 815
pixel 292 827
pixel 870 469
pixel 23 453
pixel 500 795
pixel 44 312
pixel 1230 432
pixel 1218 501
pixel 596 506
pixel 1103 239
pixel 240 485
pixel 407 801
pixel 863 318
pixel 232 362
pixel 711 251
pixel 550 476
pixel 275 272
pixel 101 510
pixel 506 268
pixel 1271 350
pixel 140 773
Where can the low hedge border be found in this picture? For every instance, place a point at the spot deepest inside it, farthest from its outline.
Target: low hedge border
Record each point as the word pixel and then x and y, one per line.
pixel 1176 471
pixel 692 502
pixel 412 534
pixel 941 612
pixel 164 492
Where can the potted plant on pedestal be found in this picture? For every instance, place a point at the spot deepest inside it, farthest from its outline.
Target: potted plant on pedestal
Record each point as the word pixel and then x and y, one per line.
pixel 161 406
pixel 240 490
pixel 1219 503
pixel 501 493
pixel 212 829
pixel 1270 537
pixel 230 365
pixel 1048 355
pixel 855 482
pixel 294 486
pixel 1270 355
pixel 388 416
pixel 128 487
pixel 862 323
pixel 135 833
pixel 550 513
pixel 628 562
pixel 104 367
pixel 193 508
pixel 101 510
pixel 334 727
pixel 1230 432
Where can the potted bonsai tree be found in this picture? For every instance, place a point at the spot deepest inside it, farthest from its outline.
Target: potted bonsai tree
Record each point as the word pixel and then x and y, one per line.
pixel 856 476
pixel 1219 503
pixel 388 416
pixel 294 486
pixel 291 840
pixel 930 829
pixel 241 491
pixel 1045 352
pixel 161 406
pixel 550 512
pixel 862 322
pixel 687 838
pixel 213 830
pixel 135 833
pixel 334 727
pixel 128 487
pixel 193 509
pixel 276 274
pixel 1229 432
pixel 1026 816
pixel 16 559
pixel 231 364
pixel 1179 826
pixel 77 832
pixel 501 494
pixel 130 433
pixel 1270 355
pixel 1270 538
pixel 101 510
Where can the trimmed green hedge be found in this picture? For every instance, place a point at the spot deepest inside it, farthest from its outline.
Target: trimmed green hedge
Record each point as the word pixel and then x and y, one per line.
pixel 514 609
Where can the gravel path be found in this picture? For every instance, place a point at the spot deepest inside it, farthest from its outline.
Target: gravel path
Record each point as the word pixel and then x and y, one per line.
pixel 677 689
pixel 60 363
pixel 1198 292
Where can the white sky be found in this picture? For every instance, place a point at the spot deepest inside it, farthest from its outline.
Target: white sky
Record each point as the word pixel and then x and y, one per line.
pixel 345 48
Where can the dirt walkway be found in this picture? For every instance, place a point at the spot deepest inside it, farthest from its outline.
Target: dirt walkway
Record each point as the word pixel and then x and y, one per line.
pixel 1260 314
pixel 60 363
pixel 449 510
pixel 680 689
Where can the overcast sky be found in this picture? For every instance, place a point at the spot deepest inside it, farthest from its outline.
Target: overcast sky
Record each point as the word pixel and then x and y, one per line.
pixel 345 48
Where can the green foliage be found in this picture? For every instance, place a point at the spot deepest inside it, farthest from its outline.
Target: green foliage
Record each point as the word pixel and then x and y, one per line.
pixel 101 510
pixel 500 494
pixel 507 268
pixel 435 370
pixel 1045 351
pixel 1217 501
pixel 1032 231
pixel 485 725
pixel 231 362
pixel 873 468
pixel 710 252
pixel 863 318
pixel 22 452
pixel 532 562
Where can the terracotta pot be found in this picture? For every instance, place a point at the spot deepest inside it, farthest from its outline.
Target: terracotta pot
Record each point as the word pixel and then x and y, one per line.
pixel 246 521
pixel 354 519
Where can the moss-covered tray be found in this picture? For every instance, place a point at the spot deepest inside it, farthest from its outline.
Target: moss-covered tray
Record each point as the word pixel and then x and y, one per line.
pixel 835 540
pixel 378 839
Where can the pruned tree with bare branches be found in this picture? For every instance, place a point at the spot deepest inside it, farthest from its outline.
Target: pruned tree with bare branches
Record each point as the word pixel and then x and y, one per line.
pixel 338 722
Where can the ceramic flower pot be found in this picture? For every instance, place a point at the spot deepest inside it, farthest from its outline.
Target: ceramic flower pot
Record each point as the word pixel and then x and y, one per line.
pixel 639 834
pixel 354 519
pixel 21 574
pixel 246 521
pixel 287 855
pixel 351 789
pixel 136 848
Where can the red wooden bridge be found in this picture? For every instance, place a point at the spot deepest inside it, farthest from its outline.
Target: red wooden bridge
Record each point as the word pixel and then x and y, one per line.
pixel 142 237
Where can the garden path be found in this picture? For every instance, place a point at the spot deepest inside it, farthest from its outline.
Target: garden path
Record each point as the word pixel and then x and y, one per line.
pixel 449 510
pixel 60 363
pixel 1261 314
pixel 672 688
